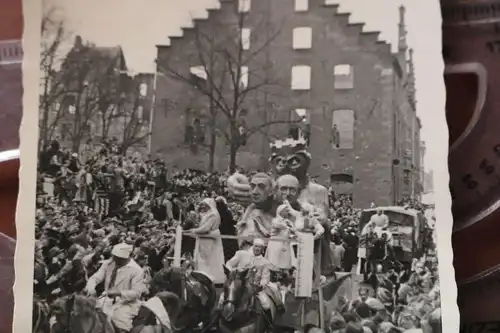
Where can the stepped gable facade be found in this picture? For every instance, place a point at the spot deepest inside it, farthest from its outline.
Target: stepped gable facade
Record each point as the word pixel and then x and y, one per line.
pixel 353 95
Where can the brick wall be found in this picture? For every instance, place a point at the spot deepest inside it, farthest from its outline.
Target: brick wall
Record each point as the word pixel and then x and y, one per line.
pixel 375 97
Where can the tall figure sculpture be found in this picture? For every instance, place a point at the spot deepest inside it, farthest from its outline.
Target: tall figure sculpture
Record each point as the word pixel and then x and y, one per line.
pixel 290 156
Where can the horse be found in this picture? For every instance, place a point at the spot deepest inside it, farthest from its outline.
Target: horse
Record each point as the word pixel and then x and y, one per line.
pixel 242 308
pixel 196 292
pixel 78 314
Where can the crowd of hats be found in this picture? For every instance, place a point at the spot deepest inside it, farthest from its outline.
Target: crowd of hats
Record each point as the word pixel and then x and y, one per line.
pixel 67 233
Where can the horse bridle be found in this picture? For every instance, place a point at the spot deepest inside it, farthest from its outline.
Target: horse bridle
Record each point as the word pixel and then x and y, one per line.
pixel 259 310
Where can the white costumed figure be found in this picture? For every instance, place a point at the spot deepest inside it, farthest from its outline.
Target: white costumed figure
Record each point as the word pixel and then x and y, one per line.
pixel 286 224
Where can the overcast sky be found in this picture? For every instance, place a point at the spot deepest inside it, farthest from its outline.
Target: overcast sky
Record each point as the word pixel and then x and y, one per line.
pixel 138 28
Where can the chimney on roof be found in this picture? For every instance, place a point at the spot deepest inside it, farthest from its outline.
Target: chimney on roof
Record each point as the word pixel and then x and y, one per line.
pixel 402 30
pixel 78 42
pixel 402 44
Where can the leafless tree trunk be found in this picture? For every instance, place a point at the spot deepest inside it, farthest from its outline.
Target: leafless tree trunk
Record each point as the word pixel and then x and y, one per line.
pixel 53 33
pixel 220 55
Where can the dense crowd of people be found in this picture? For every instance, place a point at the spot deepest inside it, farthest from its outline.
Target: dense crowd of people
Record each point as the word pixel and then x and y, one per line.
pixel 89 203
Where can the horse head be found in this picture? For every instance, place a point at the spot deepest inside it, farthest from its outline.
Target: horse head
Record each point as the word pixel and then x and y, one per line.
pixel 170 279
pixel 60 314
pixel 69 310
pixel 237 289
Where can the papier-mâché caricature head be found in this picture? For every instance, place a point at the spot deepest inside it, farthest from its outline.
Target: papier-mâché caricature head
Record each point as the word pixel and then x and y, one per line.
pixel 290 156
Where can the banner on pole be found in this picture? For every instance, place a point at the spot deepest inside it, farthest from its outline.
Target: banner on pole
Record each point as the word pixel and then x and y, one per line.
pixel 177 247
pixel 305 264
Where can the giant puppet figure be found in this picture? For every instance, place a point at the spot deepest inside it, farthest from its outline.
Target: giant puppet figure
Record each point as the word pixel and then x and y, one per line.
pixel 290 156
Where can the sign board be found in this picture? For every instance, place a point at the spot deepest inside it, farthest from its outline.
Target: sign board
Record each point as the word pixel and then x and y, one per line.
pixel 177 247
pixel 305 264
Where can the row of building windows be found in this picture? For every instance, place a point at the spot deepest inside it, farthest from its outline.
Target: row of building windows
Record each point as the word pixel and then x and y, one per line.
pixel 244 6
pixel 342 130
pixel 300 76
pixel 302 38
pixel 341 137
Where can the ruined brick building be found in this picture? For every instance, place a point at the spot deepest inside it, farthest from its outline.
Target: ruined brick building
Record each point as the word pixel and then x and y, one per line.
pixel 332 82
pixel 94 97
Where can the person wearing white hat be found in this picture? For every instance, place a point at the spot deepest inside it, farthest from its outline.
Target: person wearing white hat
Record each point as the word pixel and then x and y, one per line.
pixel 123 287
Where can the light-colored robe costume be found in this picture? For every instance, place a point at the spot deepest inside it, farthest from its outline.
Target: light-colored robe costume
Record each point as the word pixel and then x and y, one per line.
pixel 129 281
pixel 280 253
pixel 317 196
pixel 208 252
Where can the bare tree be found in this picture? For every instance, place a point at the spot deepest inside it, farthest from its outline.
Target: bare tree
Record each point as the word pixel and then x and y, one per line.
pixel 234 77
pixel 131 116
pixel 94 86
pixel 81 89
pixel 53 36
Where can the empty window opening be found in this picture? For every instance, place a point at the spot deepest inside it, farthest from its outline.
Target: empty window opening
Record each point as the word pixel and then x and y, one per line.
pixel 244 6
pixel 343 129
pixel 301 5
pixel 301 77
pixel 245 38
pixel 302 38
pixel 343 76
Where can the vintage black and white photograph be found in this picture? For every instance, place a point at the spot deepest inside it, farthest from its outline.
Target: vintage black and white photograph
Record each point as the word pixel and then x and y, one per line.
pixel 239 166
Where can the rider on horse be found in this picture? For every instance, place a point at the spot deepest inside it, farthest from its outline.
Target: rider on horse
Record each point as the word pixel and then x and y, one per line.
pixel 254 259
pixel 123 287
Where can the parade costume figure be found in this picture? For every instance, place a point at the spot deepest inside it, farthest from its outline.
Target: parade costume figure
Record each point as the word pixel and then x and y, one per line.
pixel 257 219
pixel 262 267
pixel 292 217
pixel 280 253
pixel 376 242
pixel 379 223
pixel 208 251
pixel 123 287
pixel 305 216
pixel 290 157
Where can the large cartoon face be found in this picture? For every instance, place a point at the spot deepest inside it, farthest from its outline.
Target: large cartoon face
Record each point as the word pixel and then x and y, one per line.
pixel 295 164
pixel 288 188
pixel 261 188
